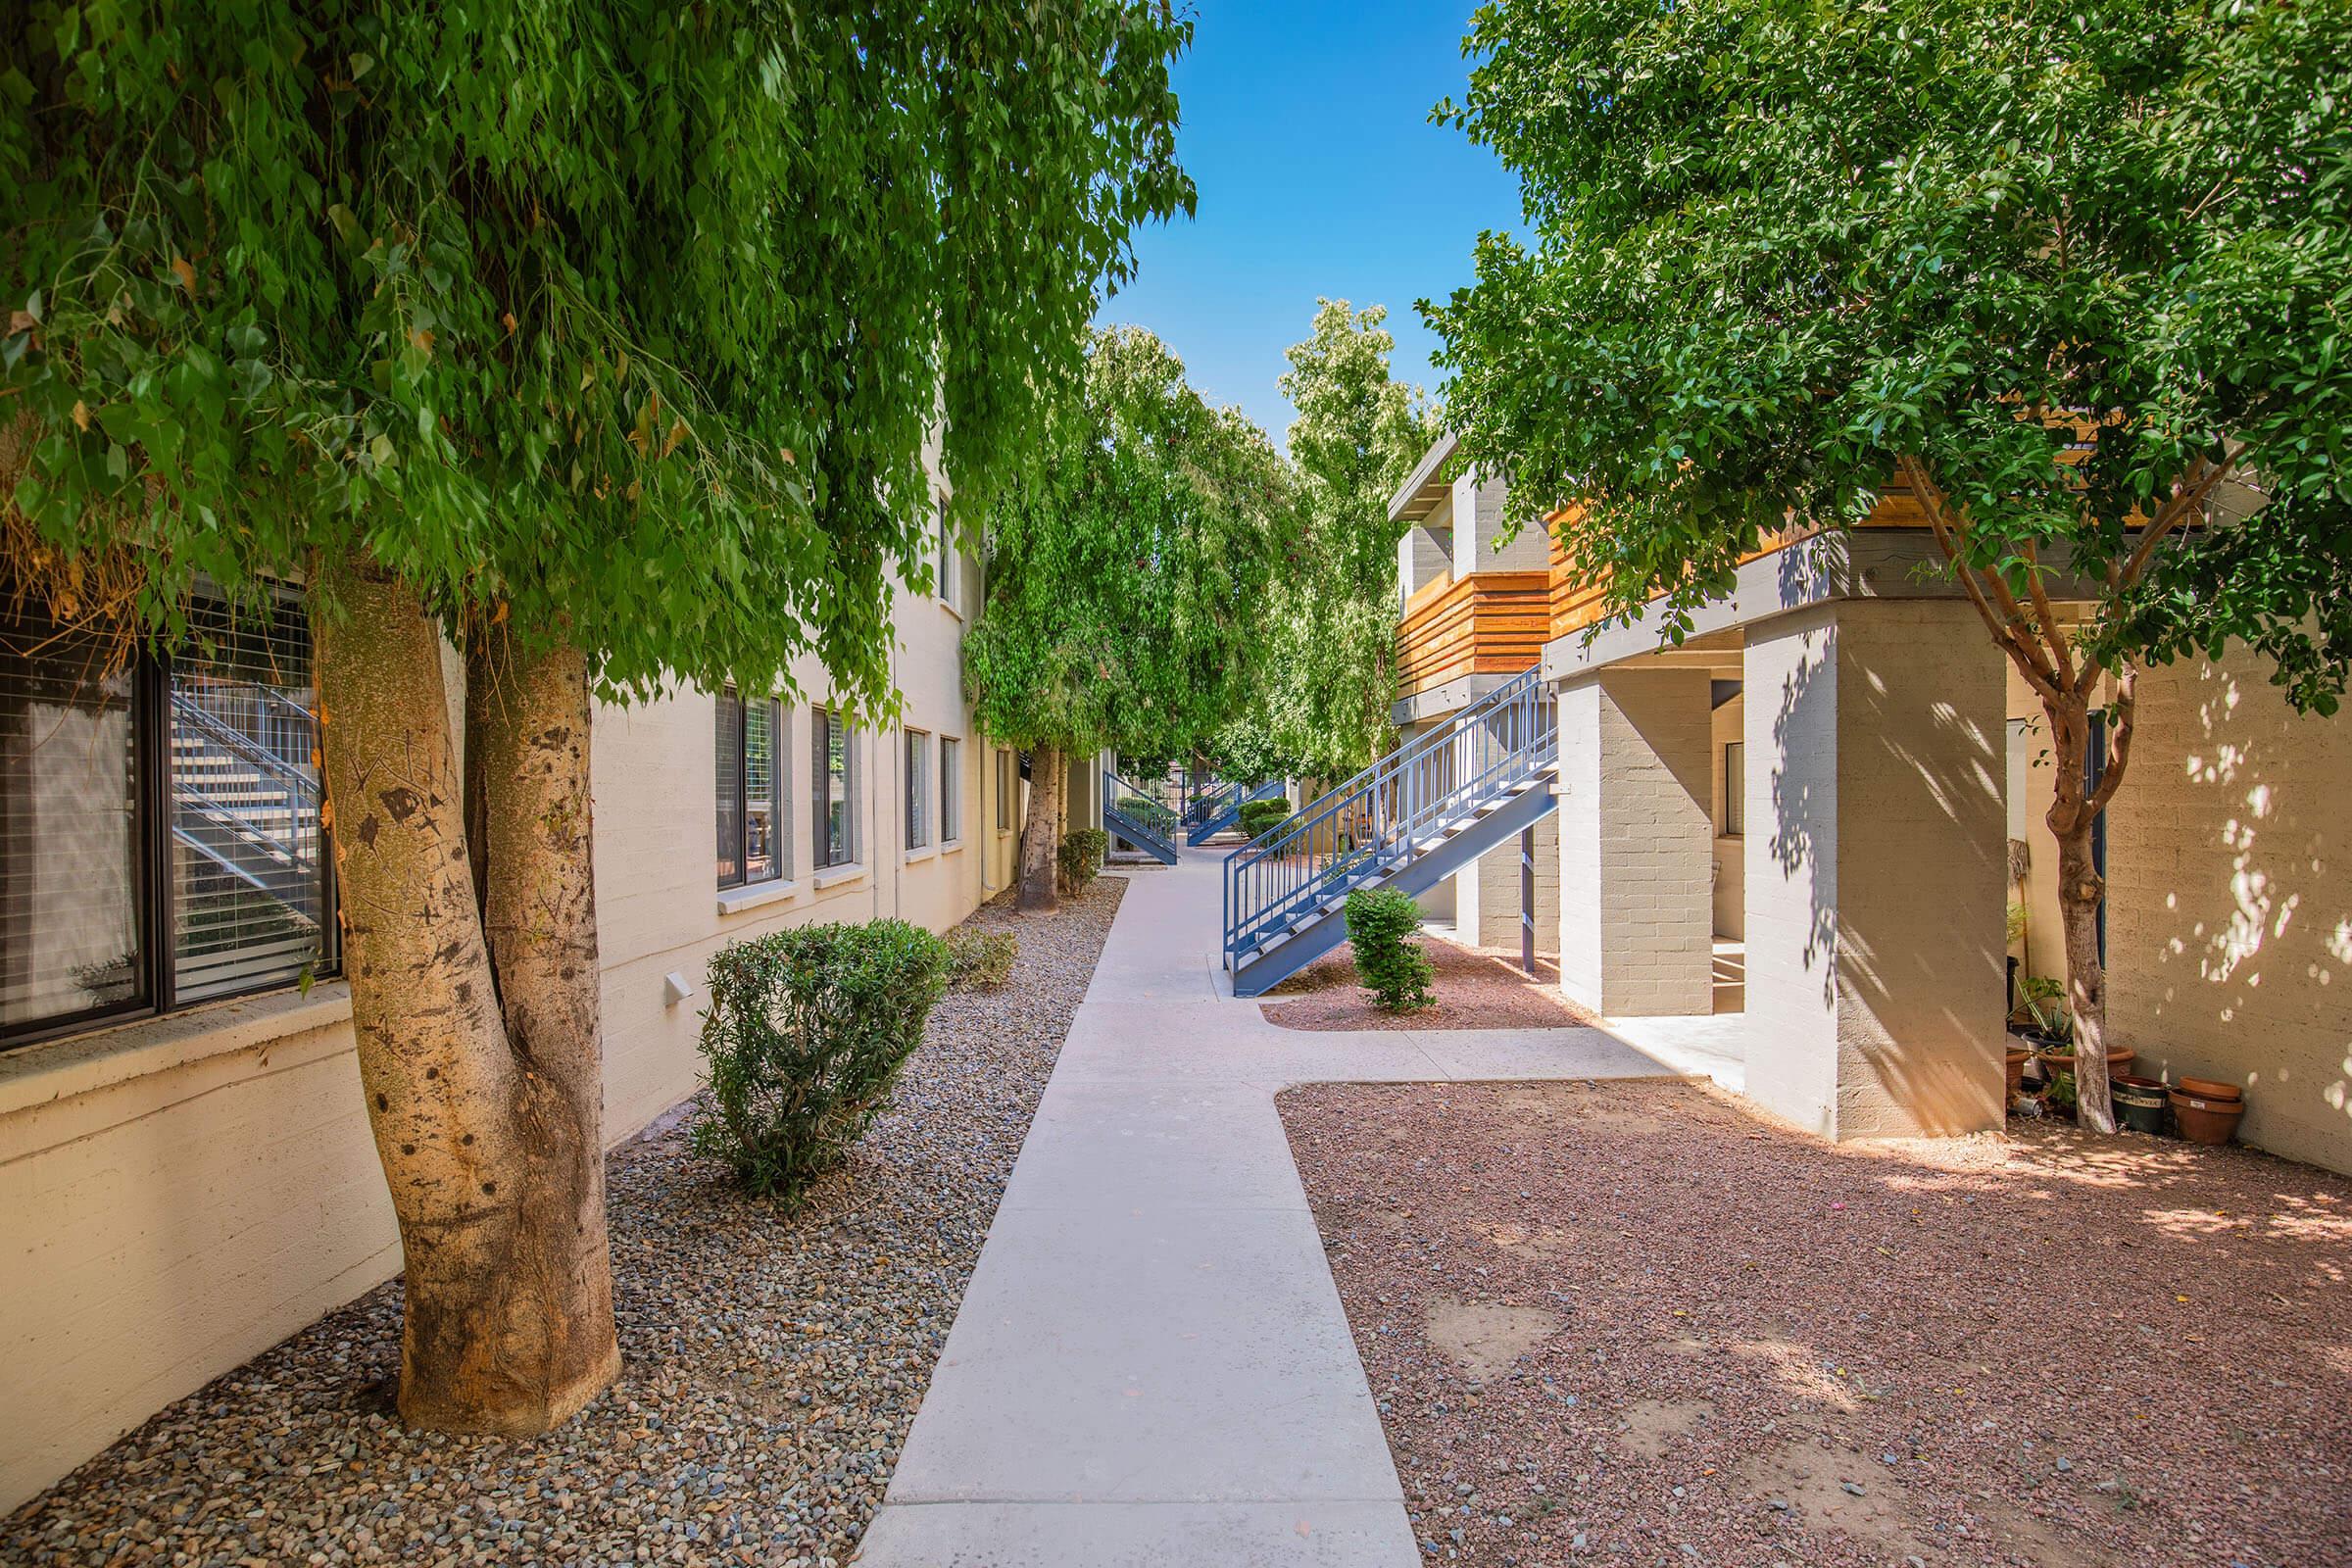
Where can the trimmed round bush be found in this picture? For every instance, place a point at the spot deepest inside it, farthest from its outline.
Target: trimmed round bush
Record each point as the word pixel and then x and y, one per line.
pixel 1080 856
pixel 805 1034
pixel 1381 923
pixel 1259 816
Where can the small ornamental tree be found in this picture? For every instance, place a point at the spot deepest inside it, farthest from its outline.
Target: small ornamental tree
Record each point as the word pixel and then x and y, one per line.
pixel 603 337
pixel 2071 275
pixel 1127 569
pixel 1332 678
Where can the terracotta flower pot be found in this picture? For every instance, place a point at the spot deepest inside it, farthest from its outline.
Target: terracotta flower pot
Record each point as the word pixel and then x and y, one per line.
pixel 2017 1071
pixel 2206 1121
pixel 2211 1089
pixel 2118 1060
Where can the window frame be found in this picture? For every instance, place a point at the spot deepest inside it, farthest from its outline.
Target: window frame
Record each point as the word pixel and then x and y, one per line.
pixel 156 993
pixel 779 750
pixel 915 770
pixel 1007 782
pixel 951 791
pixel 1734 790
pixel 823 723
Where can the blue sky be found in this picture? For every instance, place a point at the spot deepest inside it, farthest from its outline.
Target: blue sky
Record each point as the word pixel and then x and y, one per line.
pixel 1306 127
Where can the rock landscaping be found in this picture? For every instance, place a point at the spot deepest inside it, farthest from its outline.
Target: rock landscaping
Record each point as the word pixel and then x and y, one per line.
pixel 1476 988
pixel 1633 1323
pixel 773 1362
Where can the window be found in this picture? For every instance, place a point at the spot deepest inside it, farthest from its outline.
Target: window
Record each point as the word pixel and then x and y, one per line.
pixel 1004 791
pixel 751 791
pixel 918 789
pixel 951 789
pixel 159 833
pixel 946 557
pixel 1735 789
pixel 835 777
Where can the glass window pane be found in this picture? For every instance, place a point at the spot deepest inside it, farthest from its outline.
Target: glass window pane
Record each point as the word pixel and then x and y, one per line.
pixel 836 839
pixel 918 789
pixel 951 789
pixel 248 867
pixel 728 742
pixel 762 848
pixel 69 861
pixel 1734 790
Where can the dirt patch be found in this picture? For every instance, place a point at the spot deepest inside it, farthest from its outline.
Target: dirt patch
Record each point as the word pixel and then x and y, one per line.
pixel 1650 1426
pixel 1476 988
pixel 1485 1338
pixel 1771 1350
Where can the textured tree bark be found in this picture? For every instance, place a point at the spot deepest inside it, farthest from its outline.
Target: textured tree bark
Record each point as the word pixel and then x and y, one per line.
pixel 1040 843
pixel 527 728
pixel 496 1337
pixel 2071 816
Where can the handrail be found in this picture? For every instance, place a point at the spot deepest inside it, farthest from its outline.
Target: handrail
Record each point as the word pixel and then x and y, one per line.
pixel 1156 817
pixel 1376 821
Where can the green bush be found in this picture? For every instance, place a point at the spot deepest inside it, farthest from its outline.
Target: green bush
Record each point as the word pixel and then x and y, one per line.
pixel 980 960
pixel 1259 816
pixel 805 1034
pixel 1394 968
pixel 1081 856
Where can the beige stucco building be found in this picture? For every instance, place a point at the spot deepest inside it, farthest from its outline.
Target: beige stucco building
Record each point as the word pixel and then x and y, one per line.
pixel 185 1181
pixel 1799 823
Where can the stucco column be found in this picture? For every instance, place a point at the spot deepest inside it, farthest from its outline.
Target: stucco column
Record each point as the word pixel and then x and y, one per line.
pixel 1875 861
pixel 1636 888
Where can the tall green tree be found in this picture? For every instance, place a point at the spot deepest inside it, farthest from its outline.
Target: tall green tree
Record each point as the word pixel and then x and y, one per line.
pixel 1127 569
pixel 602 335
pixel 2068 270
pixel 1332 680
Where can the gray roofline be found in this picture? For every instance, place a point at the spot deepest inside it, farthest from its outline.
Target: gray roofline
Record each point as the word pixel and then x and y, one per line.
pixel 1402 505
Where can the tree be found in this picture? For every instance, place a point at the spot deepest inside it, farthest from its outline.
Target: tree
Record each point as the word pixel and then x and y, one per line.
pixel 1358 432
pixel 1127 572
pixel 2067 273
pixel 601 336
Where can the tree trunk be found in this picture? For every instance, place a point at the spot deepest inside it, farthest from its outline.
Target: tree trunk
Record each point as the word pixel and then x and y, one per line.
pixel 2080 889
pixel 460 1121
pixel 1041 842
pixel 527 728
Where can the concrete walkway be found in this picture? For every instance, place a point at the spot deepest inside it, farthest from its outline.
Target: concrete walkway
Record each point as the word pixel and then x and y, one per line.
pixel 1151 1366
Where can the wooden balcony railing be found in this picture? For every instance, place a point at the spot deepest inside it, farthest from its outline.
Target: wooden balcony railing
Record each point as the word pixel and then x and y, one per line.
pixel 1575 603
pixel 1488 623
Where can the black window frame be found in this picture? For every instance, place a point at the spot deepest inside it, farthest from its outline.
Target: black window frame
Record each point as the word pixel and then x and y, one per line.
pixel 152 889
pixel 951 790
pixel 916 762
pixel 825 724
pixel 778 747
pixel 1734 790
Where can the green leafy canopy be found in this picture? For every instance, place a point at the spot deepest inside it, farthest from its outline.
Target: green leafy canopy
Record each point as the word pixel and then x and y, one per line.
pixel 1324 707
pixel 626 319
pixel 1778 246
pixel 1127 566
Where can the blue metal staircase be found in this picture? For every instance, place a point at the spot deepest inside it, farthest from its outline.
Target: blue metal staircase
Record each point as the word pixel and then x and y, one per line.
pixel 1219 808
pixel 1411 820
pixel 1134 813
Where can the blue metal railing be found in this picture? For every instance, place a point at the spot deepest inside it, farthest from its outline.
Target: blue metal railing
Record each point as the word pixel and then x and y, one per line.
pixel 1214 809
pixel 1401 806
pixel 1136 812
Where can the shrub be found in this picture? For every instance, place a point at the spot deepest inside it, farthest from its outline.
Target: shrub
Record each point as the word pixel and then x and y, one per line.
pixel 1393 970
pixel 980 960
pixel 1259 816
pixel 1082 854
pixel 805 1034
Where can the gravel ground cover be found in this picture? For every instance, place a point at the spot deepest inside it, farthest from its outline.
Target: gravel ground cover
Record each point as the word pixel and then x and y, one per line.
pixel 1476 988
pixel 1635 1324
pixel 772 1366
